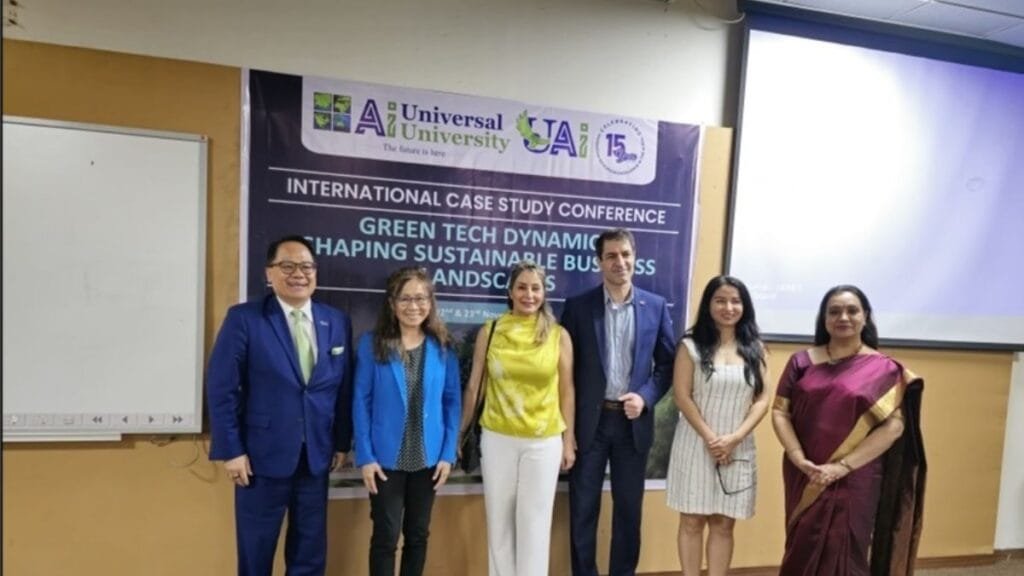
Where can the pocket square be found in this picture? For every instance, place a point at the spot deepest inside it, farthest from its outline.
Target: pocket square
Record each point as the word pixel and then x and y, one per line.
pixel 337 351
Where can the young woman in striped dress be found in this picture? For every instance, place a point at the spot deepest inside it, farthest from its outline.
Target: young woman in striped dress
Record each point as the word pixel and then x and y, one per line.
pixel 719 388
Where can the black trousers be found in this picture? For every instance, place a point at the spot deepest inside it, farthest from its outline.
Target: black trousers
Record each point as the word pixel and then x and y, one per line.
pixel 403 502
pixel 612 446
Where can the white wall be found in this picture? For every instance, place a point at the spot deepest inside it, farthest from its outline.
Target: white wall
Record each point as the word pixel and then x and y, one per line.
pixel 1010 521
pixel 670 61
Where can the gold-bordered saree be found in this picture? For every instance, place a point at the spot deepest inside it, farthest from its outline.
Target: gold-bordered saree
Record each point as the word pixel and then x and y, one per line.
pixel 869 522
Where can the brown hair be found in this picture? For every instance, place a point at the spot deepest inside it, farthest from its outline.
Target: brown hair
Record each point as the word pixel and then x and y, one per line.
pixel 387 335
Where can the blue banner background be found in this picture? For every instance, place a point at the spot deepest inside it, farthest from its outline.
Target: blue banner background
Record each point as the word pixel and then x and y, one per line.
pixel 351 209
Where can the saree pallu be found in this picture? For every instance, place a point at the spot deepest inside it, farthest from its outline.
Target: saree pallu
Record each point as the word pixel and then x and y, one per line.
pixel 869 522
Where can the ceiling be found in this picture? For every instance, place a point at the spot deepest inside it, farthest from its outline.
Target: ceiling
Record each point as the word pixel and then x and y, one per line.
pixel 999 21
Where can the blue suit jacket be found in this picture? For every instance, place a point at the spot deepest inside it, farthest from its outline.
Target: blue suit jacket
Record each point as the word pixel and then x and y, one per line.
pixel 380 403
pixel 258 402
pixel 653 354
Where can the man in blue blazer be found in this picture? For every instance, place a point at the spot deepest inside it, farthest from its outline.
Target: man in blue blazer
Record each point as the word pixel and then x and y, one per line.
pixel 624 348
pixel 279 393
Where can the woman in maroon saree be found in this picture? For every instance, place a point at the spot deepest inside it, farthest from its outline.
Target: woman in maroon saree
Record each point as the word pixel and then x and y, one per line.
pixel 847 417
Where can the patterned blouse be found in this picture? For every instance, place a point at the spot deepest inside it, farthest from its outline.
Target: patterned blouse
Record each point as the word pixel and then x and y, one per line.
pixel 412 456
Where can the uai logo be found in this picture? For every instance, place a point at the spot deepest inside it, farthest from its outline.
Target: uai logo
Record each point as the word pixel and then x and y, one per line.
pixel 620 146
pixel 332 112
pixel 552 136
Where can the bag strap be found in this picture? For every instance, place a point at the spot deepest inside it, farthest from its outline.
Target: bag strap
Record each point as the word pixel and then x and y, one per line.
pixel 483 374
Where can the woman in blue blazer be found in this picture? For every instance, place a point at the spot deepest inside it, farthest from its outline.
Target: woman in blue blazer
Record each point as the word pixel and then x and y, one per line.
pixel 406 411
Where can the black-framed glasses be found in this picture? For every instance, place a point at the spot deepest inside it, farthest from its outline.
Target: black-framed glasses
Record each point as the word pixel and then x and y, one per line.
pixel 289 268
pixel 737 476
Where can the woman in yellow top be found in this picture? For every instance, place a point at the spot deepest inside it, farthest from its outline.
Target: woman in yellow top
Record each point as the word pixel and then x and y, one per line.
pixel 527 423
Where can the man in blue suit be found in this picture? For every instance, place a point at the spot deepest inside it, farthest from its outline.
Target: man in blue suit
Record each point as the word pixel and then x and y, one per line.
pixel 280 397
pixel 624 347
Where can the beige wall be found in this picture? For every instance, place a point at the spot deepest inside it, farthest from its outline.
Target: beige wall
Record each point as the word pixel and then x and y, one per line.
pixel 158 507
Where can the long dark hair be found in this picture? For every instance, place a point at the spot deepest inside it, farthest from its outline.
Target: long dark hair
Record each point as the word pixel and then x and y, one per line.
pixel 387 336
pixel 868 335
pixel 705 334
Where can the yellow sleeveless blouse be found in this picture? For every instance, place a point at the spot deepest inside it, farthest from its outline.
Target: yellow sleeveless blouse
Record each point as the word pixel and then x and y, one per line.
pixel 522 380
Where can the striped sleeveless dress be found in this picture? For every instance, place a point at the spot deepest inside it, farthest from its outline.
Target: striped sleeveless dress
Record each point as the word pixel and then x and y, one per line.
pixel 694 485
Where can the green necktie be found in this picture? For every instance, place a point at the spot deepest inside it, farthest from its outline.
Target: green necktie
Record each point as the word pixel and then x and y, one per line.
pixel 302 345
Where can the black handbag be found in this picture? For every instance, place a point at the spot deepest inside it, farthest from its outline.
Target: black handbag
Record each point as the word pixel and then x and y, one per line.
pixel 470 459
pixel 470 447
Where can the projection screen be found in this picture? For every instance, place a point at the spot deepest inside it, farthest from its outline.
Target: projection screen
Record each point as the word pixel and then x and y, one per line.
pixel 901 174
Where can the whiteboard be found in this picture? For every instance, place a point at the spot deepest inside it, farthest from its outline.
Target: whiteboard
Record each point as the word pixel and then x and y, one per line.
pixel 104 240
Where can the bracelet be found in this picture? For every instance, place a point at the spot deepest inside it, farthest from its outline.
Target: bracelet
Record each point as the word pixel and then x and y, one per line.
pixel 845 465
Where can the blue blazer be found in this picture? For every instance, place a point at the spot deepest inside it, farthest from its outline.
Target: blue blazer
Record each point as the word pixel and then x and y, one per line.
pixel 258 402
pixel 653 355
pixel 380 403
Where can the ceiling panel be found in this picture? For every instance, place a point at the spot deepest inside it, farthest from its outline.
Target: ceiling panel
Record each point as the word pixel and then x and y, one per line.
pixel 1014 7
pixel 958 19
pixel 995 20
pixel 874 9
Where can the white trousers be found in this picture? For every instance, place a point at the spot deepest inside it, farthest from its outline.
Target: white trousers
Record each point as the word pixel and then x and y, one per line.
pixel 520 476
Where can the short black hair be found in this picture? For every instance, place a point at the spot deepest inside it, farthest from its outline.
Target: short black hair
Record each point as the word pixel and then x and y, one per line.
pixel 272 249
pixel 613 234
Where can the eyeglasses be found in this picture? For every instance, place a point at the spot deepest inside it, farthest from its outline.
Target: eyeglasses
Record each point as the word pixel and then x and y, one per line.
pixel 736 476
pixel 406 301
pixel 289 268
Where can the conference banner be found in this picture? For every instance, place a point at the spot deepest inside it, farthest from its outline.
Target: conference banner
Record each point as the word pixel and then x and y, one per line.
pixel 381 177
